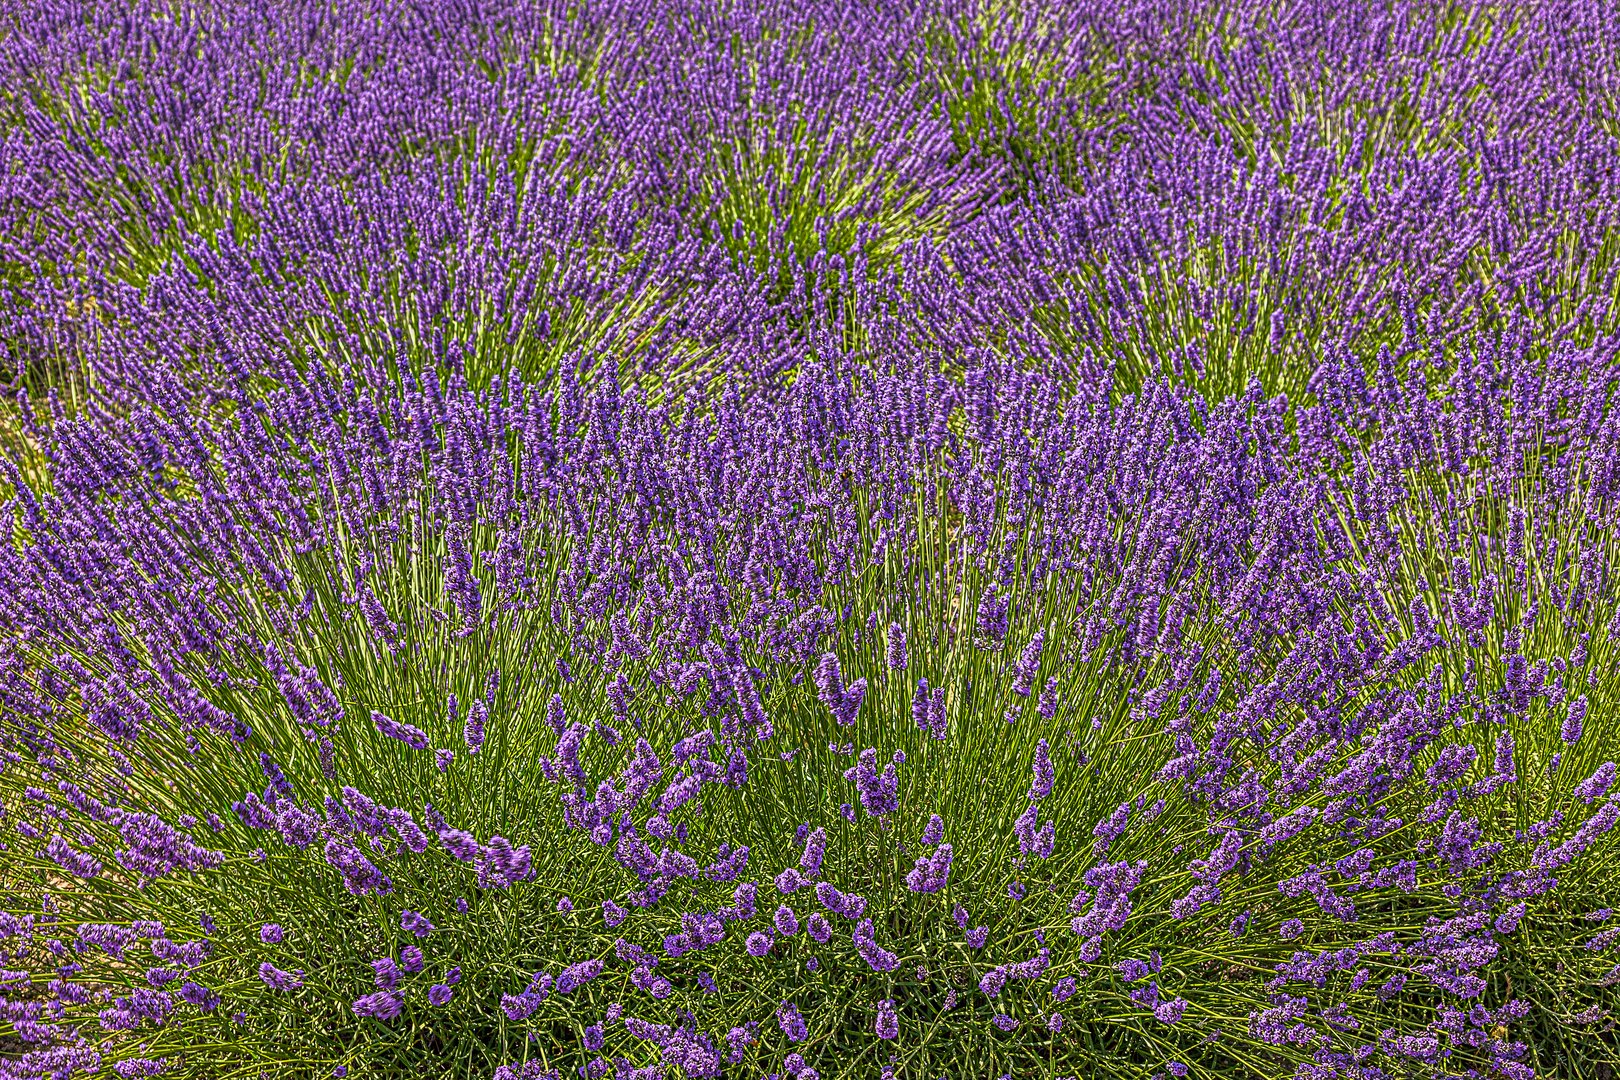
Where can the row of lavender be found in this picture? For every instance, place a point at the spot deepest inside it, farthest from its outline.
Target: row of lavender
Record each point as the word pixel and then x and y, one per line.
pixel 550 679
pixel 1203 192
pixel 693 542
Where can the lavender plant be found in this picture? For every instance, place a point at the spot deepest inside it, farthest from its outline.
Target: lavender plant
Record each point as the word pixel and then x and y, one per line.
pixel 660 541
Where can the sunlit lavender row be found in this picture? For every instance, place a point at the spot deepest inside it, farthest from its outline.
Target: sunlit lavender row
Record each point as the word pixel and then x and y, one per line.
pixel 811 541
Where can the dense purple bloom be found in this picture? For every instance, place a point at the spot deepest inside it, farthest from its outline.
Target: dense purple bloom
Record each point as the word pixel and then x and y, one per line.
pixel 879 792
pixel 383 1005
pixel 896 647
pixel 1574 720
pixel 756 339
pixel 888 1023
pixel 413 922
pixel 276 979
pixel 792 1023
pixel 473 730
pixel 385 972
pixel 413 737
pixel 1029 663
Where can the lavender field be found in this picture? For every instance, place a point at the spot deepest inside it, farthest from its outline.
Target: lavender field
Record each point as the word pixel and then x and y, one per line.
pixel 847 539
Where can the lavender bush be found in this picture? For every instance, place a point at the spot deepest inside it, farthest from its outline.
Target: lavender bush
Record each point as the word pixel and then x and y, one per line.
pixel 660 540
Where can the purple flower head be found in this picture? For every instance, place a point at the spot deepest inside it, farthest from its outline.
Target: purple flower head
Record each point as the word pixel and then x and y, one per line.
pixel 879 792
pixel 843 702
pixel 270 934
pixel 1065 988
pixel 1574 721
pixel 1109 830
pixel 1169 1012
pixel 792 1024
pixel 888 1023
pixel 786 921
pixel 276 979
pixel 413 922
pixel 443 758
pixel 1597 785
pixel 935 831
pixel 876 957
pixel 758 943
pixel 977 936
pixel 818 928
pixel 1029 663
pixel 1004 1022
pixel 410 959
pixel 897 647
pixel 576 975
pixel 383 1005
pixel 565 905
pixel 931 871
pixel 815 849
pixel 849 905
pixel 385 973
pixel 993 616
pixel 439 994
pixel 1291 929
pixel 473 731
pixel 414 737
pixel 1045 774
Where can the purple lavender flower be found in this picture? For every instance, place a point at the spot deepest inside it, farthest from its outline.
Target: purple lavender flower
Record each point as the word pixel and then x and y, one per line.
pixel 414 922
pixel 792 1024
pixel 897 647
pixel 1044 774
pixel 1574 721
pixel 888 1022
pixel 383 1005
pixel 276 979
pixel 473 732
pixel 1029 663
pixel 879 792
pixel 414 737
pixel 385 972
pixel 270 934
